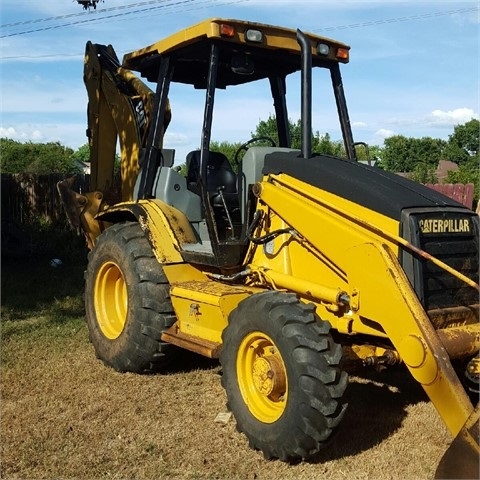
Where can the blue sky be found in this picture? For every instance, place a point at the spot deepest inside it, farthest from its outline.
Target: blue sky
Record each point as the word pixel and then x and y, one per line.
pixel 414 67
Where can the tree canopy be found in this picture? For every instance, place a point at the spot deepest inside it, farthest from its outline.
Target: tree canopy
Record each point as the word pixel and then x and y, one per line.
pixel 37 158
pixel 403 154
pixel 82 154
pixel 419 156
pixel 464 143
pixel 320 143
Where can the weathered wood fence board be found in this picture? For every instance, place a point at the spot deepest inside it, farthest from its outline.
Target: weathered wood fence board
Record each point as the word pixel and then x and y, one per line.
pixel 26 196
pixel 462 193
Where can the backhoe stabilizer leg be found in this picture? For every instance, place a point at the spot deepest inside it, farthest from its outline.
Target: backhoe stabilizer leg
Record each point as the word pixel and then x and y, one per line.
pixel 410 330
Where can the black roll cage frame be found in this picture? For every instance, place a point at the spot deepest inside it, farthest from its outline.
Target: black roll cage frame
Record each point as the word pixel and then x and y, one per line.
pixel 152 159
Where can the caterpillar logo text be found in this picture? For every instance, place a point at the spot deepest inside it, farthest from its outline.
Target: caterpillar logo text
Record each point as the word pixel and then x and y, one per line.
pixel 443 225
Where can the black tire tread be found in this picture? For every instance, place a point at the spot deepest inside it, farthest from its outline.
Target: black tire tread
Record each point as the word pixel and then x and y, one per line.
pixel 153 313
pixel 320 383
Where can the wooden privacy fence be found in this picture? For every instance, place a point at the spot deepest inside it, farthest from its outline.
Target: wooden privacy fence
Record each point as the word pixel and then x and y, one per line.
pixel 462 193
pixel 27 196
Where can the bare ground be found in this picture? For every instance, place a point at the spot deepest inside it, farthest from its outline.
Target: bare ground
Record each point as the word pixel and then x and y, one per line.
pixel 65 415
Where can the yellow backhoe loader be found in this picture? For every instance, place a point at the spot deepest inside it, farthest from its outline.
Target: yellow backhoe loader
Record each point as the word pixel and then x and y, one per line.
pixel 287 268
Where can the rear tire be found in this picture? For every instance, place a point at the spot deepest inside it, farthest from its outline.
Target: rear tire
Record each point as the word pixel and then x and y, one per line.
pixel 127 302
pixel 281 376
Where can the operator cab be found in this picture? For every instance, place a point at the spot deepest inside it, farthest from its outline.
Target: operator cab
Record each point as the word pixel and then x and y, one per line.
pixel 214 56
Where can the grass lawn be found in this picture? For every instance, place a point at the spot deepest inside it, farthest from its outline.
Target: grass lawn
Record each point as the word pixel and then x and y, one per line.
pixel 66 415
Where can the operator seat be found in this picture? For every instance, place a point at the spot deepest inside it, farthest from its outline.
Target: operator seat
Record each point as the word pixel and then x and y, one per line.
pixel 221 182
pixel 220 175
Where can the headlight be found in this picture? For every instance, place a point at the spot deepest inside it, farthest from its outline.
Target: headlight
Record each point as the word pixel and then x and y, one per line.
pixel 323 49
pixel 254 36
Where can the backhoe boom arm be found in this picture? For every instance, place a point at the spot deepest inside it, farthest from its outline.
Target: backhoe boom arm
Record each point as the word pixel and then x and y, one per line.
pixel 119 110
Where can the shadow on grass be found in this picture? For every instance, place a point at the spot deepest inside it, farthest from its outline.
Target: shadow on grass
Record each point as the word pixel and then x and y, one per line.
pixel 33 288
pixel 377 407
pixel 188 362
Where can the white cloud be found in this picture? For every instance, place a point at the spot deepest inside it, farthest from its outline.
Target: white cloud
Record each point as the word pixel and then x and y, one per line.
pixel 173 139
pixel 451 117
pixel 23 134
pixel 69 134
pixel 8 132
pixel 383 133
pixel 359 124
pixel 36 135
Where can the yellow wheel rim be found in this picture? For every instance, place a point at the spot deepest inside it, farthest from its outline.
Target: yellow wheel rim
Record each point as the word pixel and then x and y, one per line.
pixel 111 300
pixel 262 377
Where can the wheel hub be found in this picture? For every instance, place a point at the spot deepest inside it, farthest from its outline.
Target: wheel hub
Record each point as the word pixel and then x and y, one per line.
pixel 111 300
pixel 262 377
pixel 269 376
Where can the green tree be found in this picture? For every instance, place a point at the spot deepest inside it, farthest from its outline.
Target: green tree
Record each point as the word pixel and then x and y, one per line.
pixel 402 154
pixel 52 158
pixel 325 145
pixel 268 128
pixel 227 148
pixel 374 153
pixel 320 143
pixel 423 173
pixel 36 158
pixel 468 172
pixel 11 158
pixel 464 142
pixel 82 154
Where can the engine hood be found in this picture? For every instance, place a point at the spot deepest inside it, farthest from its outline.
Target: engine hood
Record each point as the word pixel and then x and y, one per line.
pixel 383 192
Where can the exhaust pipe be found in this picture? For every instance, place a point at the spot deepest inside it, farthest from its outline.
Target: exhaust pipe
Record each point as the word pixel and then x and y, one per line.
pixel 305 45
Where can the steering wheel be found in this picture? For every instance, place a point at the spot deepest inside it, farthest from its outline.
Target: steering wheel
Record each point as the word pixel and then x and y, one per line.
pixel 246 144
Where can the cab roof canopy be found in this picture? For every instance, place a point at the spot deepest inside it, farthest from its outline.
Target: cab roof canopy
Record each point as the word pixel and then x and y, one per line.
pixel 275 51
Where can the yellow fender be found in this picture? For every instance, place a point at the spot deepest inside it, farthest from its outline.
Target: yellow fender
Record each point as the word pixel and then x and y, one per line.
pixel 166 228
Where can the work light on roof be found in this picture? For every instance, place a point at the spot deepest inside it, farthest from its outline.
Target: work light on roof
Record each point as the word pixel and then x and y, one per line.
pixel 254 36
pixel 323 49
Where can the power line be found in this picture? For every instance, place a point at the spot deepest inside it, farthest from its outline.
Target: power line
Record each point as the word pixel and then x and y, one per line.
pixel 398 19
pixel 99 11
pixel 213 2
pixel 90 20
pixel 178 6
pixel 46 55
pixel 152 2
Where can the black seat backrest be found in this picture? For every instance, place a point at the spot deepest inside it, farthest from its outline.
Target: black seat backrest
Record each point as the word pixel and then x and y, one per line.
pixel 219 173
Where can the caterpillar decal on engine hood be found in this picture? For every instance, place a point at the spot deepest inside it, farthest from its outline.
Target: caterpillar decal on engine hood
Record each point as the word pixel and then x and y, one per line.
pixel 444 225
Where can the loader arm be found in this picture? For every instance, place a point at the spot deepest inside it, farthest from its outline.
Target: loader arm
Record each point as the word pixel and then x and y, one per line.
pixel 366 276
pixel 119 111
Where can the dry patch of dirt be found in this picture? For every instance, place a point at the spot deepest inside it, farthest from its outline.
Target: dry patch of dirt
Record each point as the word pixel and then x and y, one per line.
pixel 65 415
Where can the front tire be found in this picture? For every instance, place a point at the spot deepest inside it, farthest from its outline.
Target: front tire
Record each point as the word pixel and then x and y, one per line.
pixel 127 302
pixel 281 376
